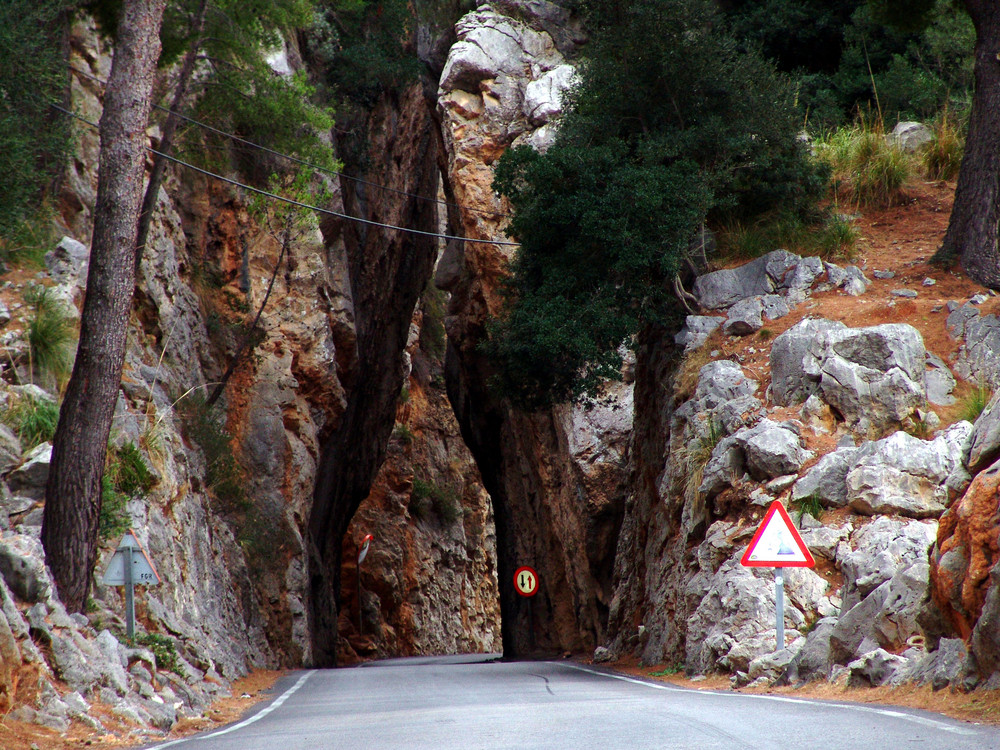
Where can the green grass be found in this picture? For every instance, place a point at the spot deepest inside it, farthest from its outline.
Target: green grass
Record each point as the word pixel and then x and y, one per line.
pixel 864 164
pixel 942 157
pixel 668 671
pixel 696 456
pixel 811 505
pixel 975 402
pixel 51 334
pixel 34 420
pixel 829 236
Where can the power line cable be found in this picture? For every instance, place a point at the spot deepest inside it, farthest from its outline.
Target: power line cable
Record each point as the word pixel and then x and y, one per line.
pixel 296 160
pixel 292 202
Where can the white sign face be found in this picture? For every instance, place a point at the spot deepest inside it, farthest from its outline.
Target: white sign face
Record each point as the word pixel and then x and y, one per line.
pixel 142 567
pixel 364 548
pixel 777 543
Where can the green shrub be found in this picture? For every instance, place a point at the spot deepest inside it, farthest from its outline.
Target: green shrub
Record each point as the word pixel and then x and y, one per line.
pixel 443 500
pixel 33 419
pixel 126 476
pixel 51 334
pixel 403 434
pixel 163 648
pixel 223 474
pixel 432 333
pixel 114 519
pixel 25 245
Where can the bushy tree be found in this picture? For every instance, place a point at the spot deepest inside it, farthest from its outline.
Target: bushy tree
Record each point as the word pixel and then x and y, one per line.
pixel 33 76
pixel 671 122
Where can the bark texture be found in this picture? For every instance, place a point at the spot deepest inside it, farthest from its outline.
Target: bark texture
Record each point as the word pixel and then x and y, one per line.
pixel 388 270
pixel 972 230
pixel 73 492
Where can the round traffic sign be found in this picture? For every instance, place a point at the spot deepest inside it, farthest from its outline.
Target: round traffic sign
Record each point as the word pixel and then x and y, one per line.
pixel 526 581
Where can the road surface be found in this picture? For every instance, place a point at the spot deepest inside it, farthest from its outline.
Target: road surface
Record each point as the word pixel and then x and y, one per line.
pixel 456 703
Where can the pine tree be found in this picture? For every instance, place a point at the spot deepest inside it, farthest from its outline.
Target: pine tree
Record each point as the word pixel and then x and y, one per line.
pixel 73 492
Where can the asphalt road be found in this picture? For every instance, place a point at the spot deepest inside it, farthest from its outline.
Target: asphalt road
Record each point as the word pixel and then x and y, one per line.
pixel 468 704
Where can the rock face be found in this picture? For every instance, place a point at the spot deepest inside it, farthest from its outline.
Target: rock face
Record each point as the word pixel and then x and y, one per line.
pixel 708 457
pixel 873 377
pixel 553 476
pixel 236 588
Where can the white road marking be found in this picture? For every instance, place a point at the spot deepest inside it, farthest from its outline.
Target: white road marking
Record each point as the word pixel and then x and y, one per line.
pixel 246 722
pixel 782 699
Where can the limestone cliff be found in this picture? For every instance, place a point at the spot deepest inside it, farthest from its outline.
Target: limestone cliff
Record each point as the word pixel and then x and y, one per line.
pixel 554 476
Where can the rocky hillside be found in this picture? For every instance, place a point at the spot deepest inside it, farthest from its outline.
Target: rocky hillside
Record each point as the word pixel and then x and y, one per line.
pixel 835 387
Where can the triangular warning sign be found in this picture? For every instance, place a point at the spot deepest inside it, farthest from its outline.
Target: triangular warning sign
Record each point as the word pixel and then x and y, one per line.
pixel 777 543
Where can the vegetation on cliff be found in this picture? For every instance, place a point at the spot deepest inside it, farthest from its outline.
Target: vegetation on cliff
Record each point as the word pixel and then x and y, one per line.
pixel 671 122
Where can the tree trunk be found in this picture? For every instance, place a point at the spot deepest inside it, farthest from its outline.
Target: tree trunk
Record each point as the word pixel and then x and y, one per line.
pixel 388 271
pixel 166 144
pixel 73 492
pixel 972 230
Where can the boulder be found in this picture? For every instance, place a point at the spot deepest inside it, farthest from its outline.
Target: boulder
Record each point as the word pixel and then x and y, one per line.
pixel 827 479
pixel 812 662
pixel 67 263
pixel 944 666
pixel 771 449
pixel 985 641
pixel 721 381
pixel 491 45
pixel 10 449
pixel 722 289
pixel 798 283
pixel 911 136
pixel 734 620
pixel 746 316
pixel 22 566
pixel 30 477
pixel 905 475
pixel 874 668
pixel 851 279
pixel 795 359
pixel 543 97
pixel 980 335
pixel 696 330
pixel 874 376
pixel 938 381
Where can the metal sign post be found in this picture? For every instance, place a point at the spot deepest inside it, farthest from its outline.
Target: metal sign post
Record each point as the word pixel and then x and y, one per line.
pixel 779 598
pixel 778 544
pixel 130 565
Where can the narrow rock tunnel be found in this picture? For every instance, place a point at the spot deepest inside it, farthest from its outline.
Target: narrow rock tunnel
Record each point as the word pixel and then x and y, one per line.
pixel 553 480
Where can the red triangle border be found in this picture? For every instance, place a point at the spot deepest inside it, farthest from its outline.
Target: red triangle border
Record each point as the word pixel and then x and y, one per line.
pixel 777 507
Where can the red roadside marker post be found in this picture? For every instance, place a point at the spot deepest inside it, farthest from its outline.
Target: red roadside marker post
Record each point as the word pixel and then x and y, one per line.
pixel 362 554
pixel 778 544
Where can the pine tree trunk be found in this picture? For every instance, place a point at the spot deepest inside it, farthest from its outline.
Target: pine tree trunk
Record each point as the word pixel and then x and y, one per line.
pixel 73 492
pixel 972 230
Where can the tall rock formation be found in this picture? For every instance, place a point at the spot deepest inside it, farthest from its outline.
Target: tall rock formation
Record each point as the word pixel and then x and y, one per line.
pixel 554 476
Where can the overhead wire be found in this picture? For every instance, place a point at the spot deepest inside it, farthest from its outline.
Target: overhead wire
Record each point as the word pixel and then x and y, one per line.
pixel 296 160
pixel 290 201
